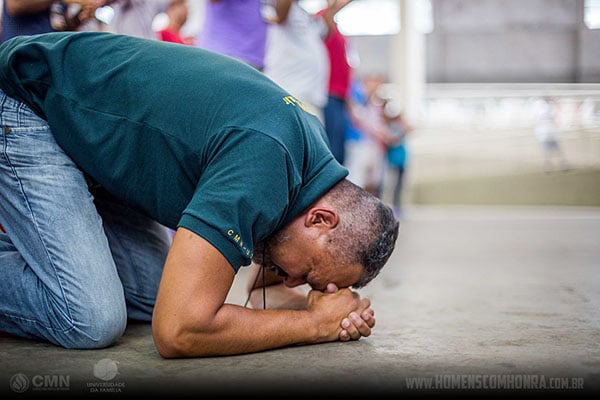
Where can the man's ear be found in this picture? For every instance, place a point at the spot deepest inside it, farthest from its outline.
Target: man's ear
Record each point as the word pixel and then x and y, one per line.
pixel 322 217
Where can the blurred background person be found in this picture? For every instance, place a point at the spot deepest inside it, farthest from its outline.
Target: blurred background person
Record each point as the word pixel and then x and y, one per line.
pixel 357 143
pixel 296 57
pixel 546 132
pixel 235 28
pixel 30 17
pixel 396 151
pixel 370 134
pixel 135 17
pixel 177 15
pixel 339 79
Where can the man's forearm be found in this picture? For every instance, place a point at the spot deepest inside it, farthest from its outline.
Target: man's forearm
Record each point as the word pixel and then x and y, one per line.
pixel 235 329
pixel 239 330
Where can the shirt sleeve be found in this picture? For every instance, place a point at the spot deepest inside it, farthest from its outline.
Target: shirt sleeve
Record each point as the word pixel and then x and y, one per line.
pixel 243 195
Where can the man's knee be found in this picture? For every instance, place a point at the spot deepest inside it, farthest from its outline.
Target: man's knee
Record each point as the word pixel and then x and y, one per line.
pixel 99 329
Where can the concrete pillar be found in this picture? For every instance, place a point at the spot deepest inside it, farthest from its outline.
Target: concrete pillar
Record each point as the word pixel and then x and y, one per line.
pixel 407 55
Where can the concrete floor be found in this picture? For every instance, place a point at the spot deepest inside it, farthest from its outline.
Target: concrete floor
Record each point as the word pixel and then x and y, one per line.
pixel 475 299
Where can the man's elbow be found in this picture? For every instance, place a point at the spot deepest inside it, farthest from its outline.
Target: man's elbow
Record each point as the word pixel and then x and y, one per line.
pixel 170 340
pixel 179 339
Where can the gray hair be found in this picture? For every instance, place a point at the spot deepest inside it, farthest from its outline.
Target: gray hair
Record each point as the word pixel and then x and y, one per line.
pixel 367 231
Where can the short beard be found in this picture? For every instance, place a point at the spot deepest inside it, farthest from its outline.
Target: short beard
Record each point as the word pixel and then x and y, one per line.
pixel 263 250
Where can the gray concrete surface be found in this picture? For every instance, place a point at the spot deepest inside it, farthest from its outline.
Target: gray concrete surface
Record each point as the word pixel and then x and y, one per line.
pixel 577 187
pixel 475 299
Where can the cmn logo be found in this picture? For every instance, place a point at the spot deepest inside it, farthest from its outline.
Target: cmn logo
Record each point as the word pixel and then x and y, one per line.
pixel 20 383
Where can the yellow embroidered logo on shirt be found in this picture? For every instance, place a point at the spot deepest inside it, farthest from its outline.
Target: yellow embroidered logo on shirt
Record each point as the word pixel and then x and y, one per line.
pixel 295 102
pixel 237 239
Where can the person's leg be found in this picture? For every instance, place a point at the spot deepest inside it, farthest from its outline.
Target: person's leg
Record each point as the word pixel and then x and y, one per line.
pixel 335 126
pixel 58 278
pixel 397 192
pixel 139 246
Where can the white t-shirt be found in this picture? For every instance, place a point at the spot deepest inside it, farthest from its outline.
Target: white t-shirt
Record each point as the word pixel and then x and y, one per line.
pixel 296 57
pixel 135 17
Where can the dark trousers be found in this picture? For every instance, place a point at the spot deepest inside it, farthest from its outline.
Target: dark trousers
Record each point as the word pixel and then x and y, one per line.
pixel 335 126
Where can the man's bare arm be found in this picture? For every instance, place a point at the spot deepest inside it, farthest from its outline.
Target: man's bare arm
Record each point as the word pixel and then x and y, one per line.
pixel 191 318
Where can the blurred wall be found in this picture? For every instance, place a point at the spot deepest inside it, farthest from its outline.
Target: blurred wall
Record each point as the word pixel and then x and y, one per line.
pixel 499 41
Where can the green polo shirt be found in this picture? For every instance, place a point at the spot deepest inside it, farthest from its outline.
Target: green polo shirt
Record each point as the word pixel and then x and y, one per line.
pixel 193 138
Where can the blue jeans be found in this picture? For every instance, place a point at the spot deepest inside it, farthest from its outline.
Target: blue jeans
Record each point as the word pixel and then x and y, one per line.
pixel 75 263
